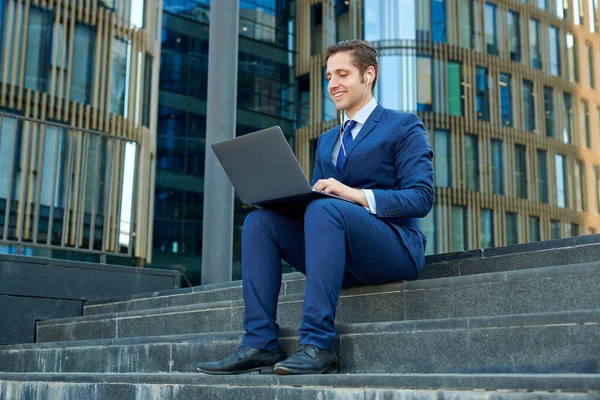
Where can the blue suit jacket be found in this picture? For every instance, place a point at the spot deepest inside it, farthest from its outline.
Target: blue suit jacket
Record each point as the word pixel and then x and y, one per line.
pixel 391 156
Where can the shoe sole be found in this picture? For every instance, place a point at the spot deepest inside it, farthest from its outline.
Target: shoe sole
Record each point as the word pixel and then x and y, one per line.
pixel 252 371
pixel 293 371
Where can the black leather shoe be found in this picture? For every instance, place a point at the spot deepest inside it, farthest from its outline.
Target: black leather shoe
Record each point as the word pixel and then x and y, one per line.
pixel 244 360
pixel 309 359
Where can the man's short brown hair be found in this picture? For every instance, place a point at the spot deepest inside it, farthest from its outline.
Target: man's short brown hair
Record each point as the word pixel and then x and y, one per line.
pixel 363 55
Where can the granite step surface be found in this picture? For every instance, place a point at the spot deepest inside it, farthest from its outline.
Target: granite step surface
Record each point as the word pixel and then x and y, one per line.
pixel 559 252
pixel 555 342
pixel 564 288
pixel 360 387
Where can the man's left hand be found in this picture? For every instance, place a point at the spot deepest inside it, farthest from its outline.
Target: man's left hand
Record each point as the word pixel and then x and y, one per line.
pixel 331 186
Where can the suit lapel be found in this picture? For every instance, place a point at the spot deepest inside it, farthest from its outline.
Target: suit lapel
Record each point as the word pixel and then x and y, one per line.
pixel 365 130
pixel 329 141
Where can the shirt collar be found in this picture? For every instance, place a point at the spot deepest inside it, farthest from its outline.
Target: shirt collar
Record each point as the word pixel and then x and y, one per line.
pixel 363 114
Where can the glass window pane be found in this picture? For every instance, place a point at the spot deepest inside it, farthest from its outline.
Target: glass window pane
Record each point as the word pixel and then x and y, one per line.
pixel 561 180
pixel 576 12
pixel 497 167
pixel 466 24
pixel 454 89
pixel 438 21
pixel 590 65
pixel 512 228
pixel 82 69
pixel 506 99
pixel 486 228
pixel 514 36
pixel 534 229
pixel 549 111
pixel 38 46
pixel 542 176
pixel 572 57
pixel 329 110
pixel 568 122
pixel 342 20
pixel 491 28
pixel 442 158
pixel 482 93
pixel 555 229
pixel 472 162
pixel 459 228
pixel 597 180
pixel 521 171
pixel 428 225
pixel 121 56
pixel 528 106
pixel 424 93
pixel 534 44
pixel 584 123
pixel 580 191
pixel 554 51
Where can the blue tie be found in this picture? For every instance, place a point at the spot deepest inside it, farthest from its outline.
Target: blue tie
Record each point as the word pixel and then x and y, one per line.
pixel 347 141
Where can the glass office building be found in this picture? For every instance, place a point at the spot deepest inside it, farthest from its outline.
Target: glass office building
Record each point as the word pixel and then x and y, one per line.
pixel 507 91
pixel 77 141
pixel 266 89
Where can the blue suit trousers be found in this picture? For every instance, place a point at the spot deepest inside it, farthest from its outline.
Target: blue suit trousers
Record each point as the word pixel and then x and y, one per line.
pixel 337 244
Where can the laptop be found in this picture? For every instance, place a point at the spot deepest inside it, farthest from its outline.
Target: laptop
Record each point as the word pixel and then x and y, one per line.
pixel 265 173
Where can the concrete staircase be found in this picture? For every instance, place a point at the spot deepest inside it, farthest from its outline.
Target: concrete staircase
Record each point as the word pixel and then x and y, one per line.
pixel 518 322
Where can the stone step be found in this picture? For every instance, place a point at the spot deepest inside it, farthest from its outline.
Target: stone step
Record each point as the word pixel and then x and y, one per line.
pixel 581 249
pixel 393 386
pixel 564 288
pixel 557 342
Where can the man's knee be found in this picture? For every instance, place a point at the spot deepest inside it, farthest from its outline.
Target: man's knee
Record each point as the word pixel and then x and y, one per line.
pixel 257 219
pixel 320 208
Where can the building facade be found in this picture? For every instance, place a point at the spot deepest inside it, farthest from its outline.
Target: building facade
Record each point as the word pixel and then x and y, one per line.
pixel 266 89
pixel 77 141
pixel 508 91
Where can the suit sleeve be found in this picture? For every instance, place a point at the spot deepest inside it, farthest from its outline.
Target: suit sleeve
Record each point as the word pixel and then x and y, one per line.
pixel 413 158
pixel 318 172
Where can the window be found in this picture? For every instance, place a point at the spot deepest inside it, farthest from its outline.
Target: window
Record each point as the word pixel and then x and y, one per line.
pixel 303 113
pixel 497 167
pixel 486 234
pixel 528 106
pixel 554 229
pixel 590 64
pixel 482 101
pixel 593 7
pixel 438 21
pixel 466 24
pixel 512 228
pixel 342 20
pixel 572 230
pixel 577 12
pixel 454 89
pixel 585 123
pixel 37 59
pixel 568 122
pixel 121 58
pixel 573 58
pixel 442 158
pixel 459 228
pixel 82 69
pixel 316 28
pixel 580 192
pixel 312 153
pixel 560 162
pixel 424 89
pixel 514 32
pixel 543 4
pixel 534 44
pixel 472 162
pixel 506 99
pixel 534 229
pixel 561 12
pixel 491 28
pixel 521 171
pixel 549 111
pixel 553 36
pixel 542 176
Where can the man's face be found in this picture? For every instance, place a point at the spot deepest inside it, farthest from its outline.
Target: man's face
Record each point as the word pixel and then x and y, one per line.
pixel 345 87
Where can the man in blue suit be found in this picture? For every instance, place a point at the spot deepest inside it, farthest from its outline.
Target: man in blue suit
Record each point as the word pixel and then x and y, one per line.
pixel 380 160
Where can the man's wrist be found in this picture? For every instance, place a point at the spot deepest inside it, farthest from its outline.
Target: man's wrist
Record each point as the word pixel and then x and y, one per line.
pixel 361 198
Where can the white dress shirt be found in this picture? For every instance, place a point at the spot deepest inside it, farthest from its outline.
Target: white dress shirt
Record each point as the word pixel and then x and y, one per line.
pixel 360 117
